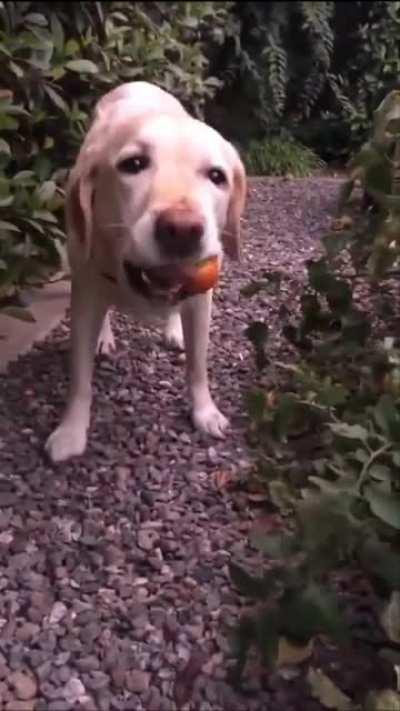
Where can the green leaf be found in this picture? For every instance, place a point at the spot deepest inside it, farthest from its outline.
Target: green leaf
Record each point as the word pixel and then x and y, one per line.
pixel 35 18
pixel 17 70
pixel 245 583
pixel 6 201
pixel 56 98
pixel 276 545
pixel 9 226
pixel 342 429
pixel 380 473
pixel 256 404
pixel 71 48
pixel 381 562
pixel 386 506
pixel 387 416
pixel 257 333
pixel 57 32
pixel 4 147
pixel 390 617
pixel 46 191
pixel 333 395
pixel 45 215
pixel 19 313
pixel 312 611
pixel 82 66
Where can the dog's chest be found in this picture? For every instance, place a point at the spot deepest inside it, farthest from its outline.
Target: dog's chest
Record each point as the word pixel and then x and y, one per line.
pixel 124 299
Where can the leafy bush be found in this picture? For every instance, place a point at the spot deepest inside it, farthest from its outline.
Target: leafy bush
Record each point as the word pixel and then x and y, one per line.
pixel 55 63
pixel 280 156
pixel 316 68
pixel 328 442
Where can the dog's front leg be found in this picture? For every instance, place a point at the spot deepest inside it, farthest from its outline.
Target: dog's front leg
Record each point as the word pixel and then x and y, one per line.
pixel 196 318
pixel 88 311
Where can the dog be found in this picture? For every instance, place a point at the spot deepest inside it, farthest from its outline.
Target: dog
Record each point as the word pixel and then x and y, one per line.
pixel 152 187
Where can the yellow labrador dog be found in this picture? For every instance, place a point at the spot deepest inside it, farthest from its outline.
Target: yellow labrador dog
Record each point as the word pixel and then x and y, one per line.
pixel 152 187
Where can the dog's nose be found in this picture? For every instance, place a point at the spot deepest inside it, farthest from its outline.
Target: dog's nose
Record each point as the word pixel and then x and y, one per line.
pixel 178 232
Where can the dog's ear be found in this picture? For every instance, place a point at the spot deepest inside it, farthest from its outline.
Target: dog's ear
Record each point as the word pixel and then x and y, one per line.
pixel 79 209
pixel 231 233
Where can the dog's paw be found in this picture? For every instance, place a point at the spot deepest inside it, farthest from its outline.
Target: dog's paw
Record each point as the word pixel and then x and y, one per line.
pixel 211 421
pixel 66 442
pixel 173 334
pixel 106 342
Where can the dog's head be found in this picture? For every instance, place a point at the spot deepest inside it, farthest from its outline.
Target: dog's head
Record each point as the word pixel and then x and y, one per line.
pixel 155 189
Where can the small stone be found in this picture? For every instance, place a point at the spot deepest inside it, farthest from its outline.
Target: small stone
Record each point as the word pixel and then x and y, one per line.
pixel 97 680
pixel 27 631
pixel 25 686
pixel 43 671
pixel 87 664
pixel 74 692
pixel 137 681
pixel 64 674
pixel 59 705
pixel 58 612
pixel 20 705
pixel 146 539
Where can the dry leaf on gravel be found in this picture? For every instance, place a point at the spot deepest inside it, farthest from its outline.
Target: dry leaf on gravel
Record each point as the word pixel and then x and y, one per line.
pixel 323 689
pixel 387 700
pixel 293 654
pixel 342 223
pixel 223 479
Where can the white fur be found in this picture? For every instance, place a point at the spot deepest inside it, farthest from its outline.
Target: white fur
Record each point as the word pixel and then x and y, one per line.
pixel 111 217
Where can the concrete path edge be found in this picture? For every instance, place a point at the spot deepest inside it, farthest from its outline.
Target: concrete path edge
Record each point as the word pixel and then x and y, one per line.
pixel 48 306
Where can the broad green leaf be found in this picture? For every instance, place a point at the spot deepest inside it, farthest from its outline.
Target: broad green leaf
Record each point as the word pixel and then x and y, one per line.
pixel 82 66
pixel 35 18
pixel 276 545
pixel 245 583
pixel 9 226
pixel 386 414
pixel 390 617
pixel 385 506
pixel 380 473
pixel 46 191
pixel 6 201
pixel 342 429
pixel 257 333
pixel 4 147
pixel 312 611
pixel 57 32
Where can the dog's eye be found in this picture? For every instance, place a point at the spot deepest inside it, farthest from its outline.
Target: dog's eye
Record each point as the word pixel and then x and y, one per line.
pixel 134 164
pixel 217 176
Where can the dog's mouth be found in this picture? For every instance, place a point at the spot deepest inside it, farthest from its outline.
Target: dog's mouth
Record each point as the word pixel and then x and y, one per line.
pixel 166 283
pixel 173 282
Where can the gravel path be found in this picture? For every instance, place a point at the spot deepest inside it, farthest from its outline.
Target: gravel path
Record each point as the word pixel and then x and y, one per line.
pixel 113 580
